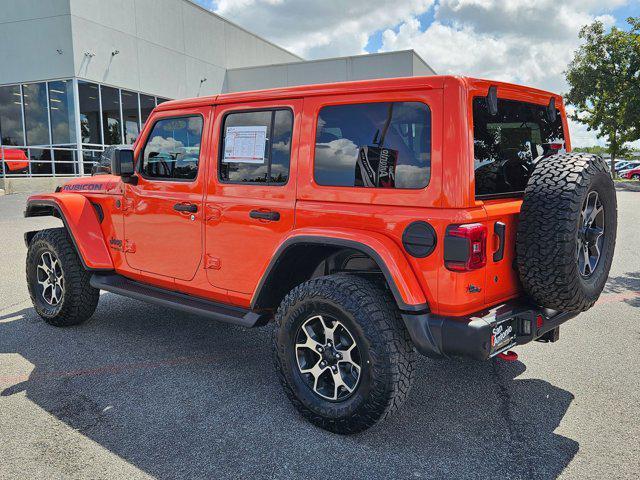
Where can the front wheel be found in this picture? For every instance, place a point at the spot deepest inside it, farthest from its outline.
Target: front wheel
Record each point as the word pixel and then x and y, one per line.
pixel 342 352
pixel 58 283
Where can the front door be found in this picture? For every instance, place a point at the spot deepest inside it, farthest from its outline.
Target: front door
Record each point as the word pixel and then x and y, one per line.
pixel 163 212
pixel 250 200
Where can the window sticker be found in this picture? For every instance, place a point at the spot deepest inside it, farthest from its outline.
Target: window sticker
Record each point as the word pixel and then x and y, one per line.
pixel 245 144
pixel 376 167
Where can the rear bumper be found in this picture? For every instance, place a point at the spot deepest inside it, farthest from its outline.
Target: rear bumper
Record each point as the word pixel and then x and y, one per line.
pixel 483 334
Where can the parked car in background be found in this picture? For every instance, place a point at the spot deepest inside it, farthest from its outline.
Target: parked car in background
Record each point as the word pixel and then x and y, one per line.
pixel 14 160
pixel 632 174
pixel 626 165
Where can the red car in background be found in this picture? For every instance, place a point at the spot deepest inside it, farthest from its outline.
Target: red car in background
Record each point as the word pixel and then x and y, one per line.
pixel 15 160
pixel 633 174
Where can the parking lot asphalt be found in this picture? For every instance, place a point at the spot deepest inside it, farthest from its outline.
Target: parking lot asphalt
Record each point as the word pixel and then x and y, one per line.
pixel 140 391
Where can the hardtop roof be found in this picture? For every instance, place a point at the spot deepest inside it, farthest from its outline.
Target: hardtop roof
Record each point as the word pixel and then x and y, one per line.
pixel 336 88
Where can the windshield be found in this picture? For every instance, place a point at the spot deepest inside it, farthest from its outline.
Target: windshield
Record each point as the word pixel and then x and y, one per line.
pixel 508 145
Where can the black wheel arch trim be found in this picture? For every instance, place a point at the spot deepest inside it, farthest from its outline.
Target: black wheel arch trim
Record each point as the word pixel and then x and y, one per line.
pixel 335 242
pixel 42 208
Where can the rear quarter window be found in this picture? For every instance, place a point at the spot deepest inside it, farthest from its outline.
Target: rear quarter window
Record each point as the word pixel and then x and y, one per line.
pixel 374 145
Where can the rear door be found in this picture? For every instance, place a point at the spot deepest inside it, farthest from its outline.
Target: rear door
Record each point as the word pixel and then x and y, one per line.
pixel 507 147
pixel 163 216
pixel 250 200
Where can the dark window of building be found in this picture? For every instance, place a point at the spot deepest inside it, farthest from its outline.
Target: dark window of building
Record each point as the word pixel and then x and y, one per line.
pixel 173 149
pixel 41 161
pixel 508 145
pixel 36 117
pixel 11 116
pixel 65 162
pixel 257 147
pixel 61 105
pixel 111 115
pixel 130 114
pixel 147 104
pixel 379 145
pixel 90 121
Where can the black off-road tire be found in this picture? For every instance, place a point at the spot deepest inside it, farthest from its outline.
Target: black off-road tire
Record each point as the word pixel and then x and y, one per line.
pixel 549 226
pixel 79 299
pixel 388 356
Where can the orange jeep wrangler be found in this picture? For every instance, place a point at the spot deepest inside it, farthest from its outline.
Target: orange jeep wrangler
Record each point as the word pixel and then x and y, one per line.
pixel 368 220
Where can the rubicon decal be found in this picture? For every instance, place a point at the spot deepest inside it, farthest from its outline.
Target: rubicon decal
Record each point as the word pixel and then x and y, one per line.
pixel 85 186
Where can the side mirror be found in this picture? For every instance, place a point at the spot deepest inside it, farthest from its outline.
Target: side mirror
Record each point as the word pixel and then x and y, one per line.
pixel 122 163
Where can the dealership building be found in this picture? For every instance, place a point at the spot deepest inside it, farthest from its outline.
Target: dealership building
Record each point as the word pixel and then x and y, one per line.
pixel 78 75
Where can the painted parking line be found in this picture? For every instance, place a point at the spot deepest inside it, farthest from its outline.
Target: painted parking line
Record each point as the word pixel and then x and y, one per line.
pixel 617 297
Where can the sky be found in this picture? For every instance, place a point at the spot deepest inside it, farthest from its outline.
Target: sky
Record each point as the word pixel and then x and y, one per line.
pixel 528 42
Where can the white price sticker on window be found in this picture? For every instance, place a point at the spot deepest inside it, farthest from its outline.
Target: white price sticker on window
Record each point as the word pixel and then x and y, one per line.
pixel 245 144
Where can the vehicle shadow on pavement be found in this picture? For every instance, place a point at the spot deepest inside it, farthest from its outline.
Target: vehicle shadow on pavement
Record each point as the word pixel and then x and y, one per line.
pixel 178 396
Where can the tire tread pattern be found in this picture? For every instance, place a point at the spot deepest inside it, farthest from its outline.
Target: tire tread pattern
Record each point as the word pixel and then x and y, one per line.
pixel 548 228
pixel 392 354
pixel 80 298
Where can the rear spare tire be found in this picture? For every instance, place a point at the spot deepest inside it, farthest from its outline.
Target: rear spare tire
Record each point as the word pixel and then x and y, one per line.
pixel 567 231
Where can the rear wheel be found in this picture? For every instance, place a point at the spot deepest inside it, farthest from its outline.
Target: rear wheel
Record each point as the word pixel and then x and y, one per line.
pixel 342 353
pixel 58 283
pixel 635 176
pixel 567 231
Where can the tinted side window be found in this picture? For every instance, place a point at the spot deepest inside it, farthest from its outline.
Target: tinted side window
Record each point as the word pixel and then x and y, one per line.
pixel 173 149
pixel 379 145
pixel 256 147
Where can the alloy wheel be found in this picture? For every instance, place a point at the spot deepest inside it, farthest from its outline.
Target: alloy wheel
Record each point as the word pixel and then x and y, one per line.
pixel 50 277
pixel 590 234
pixel 328 357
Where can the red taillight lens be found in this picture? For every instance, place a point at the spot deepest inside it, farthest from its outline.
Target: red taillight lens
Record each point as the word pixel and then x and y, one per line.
pixel 556 146
pixel 474 236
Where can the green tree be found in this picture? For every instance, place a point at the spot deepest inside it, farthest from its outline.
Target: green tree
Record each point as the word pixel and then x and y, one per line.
pixel 604 80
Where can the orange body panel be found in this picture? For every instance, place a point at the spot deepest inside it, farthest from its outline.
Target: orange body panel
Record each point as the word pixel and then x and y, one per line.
pixel 222 253
pixel 79 216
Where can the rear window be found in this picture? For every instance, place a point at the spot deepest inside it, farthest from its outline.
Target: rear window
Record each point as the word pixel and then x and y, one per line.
pixel 374 145
pixel 508 145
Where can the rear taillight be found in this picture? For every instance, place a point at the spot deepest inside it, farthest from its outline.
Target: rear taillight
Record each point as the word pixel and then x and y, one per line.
pixel 465 247
pixel 556 146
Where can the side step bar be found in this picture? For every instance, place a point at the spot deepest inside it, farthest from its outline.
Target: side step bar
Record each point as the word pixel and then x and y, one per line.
pixel 115 283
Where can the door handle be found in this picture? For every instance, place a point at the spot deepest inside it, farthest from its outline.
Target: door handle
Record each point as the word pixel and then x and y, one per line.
pixel 499 229
pixel 185 207
pixel 265 215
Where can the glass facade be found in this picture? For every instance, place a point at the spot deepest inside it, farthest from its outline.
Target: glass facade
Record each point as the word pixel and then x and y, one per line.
pixel 39 125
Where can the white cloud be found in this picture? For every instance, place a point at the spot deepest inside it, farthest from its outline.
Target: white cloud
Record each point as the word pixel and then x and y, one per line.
pixel 315 29
pixel 524 41
pixel 519 41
